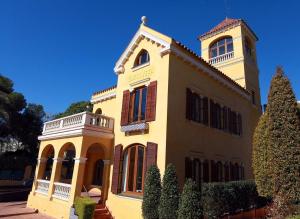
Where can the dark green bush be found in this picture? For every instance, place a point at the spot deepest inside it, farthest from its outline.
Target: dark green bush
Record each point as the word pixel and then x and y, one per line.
pixel 152 191
pixel 169 198
pixel 221 198
pixel 84 207
pixel 190 201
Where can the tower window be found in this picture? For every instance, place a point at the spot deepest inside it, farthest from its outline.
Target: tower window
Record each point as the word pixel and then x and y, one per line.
pixel 142 58
pixel 253 97
pixel 248 47
pixel 221 47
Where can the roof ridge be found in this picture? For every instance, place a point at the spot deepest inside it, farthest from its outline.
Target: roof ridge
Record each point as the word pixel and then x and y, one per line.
pixel 209 65
pixel 105 90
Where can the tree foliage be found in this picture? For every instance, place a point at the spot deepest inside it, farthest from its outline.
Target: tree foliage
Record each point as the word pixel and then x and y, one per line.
pixel 20 123
pixel 284 138
pixel 190 201
pixel 74 108
pixel 152 191
pixel 169 199
pixel 261 158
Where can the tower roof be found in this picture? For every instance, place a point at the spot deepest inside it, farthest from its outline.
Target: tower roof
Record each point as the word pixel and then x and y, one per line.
pixel 227 22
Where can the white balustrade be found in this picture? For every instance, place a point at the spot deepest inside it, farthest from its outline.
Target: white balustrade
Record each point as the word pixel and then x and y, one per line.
pixel 221 58
pixel 42 186
pixel 61 191
pixel 80 120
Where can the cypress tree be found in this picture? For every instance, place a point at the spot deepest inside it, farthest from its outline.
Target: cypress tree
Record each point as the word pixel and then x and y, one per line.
pixel 169 198
pixel 261 158
pixel 152 190
pixel 190 201
pixel 284 133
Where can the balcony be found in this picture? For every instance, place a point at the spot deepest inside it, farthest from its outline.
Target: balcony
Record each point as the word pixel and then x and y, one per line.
pixel 221 58
pixel 78 124
pixel 42 186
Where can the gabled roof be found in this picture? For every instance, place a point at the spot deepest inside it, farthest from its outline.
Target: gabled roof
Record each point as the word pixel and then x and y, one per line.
pixel 226 23
pixel 169 45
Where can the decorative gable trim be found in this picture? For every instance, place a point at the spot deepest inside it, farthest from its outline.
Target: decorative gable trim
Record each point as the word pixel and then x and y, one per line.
pixel 141 34
pixel 167 48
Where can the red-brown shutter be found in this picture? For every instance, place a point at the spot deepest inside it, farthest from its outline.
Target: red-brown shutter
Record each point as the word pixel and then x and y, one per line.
pixel 240 124
pixel 116 169
pixel 125 108
pixel 151 101
pixel 188 168
pixel 151 154
pixel 188 110
pixel 205 110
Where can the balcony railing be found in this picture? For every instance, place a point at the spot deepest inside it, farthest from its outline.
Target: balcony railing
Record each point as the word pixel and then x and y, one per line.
pixel 221 58
pixel 42 186
pixel 61 191
pixel 84 120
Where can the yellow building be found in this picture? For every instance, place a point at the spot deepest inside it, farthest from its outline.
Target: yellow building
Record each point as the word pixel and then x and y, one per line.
pixel 169 106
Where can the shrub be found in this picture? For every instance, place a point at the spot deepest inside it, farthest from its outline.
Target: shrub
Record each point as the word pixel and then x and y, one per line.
pixel 169 199
pixel 152 190
pixel 190 201
pixel 221 198
pixel 284 138
pixel 261 158
pixel 84 207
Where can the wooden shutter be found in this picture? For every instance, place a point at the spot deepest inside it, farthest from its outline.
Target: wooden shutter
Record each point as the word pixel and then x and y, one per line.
pixel 188 104
pixel 116 169
pixel 125 108
pixel 240 124
pixel 188 168
pixel 205 110
pixel 151 101
pixel 212 117
pixel 151 154
pixel 225 119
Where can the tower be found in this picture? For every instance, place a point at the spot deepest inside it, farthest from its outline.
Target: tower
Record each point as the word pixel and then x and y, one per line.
pixel 231 47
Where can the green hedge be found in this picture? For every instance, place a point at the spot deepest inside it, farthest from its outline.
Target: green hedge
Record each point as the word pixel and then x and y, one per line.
pixel 221 198
pixel 84 207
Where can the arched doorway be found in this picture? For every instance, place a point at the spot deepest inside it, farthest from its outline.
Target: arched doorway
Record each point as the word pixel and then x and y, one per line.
pixel 47 157
pixel 67 154
pixel 93 183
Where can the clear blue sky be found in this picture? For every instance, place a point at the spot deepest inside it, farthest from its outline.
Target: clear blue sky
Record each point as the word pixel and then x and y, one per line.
pixel 61 51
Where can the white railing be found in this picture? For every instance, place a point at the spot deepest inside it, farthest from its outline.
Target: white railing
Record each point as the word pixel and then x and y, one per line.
pixel 80 120
pixel 61 191
pixel 42 186
pixel 221 58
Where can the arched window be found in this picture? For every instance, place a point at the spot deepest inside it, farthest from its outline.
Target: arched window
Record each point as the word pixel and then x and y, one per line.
pixel 142 58
pixel 221 47
pixel 48 154
pixel 98 172
pixel 133 169
pixel 98 111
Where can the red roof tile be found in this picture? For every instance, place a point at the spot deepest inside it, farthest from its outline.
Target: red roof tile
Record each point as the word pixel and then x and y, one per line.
pixel 107 89
pixel 225 23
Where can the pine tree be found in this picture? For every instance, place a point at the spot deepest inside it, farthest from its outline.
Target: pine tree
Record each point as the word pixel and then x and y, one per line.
pixel 261 158
pixel 190 201
pixel 284 131
pixel 152 191
pixel 169 198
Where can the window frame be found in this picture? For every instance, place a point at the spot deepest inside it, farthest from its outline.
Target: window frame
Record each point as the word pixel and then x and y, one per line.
pixel 140 102
pixel 216 45
pixel 138 60
pixel 135 170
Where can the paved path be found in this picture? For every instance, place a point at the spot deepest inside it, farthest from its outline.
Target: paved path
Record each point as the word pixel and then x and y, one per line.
pixel 14 210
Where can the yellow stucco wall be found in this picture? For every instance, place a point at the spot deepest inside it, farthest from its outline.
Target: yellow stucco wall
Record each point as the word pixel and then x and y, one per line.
pixel 124 207
pixel 176 137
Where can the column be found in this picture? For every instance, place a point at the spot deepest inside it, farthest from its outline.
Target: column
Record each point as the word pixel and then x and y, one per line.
pixel 40 168
pixel 77 178
pixel 55 174
pixel 105 181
